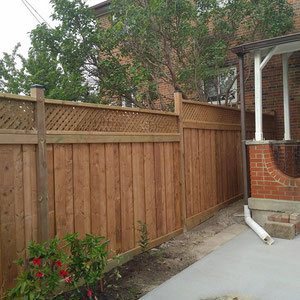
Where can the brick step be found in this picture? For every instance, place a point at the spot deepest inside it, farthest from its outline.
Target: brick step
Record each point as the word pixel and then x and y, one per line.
pixel 281 230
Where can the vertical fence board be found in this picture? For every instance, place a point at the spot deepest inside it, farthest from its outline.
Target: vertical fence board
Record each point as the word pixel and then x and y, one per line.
pixel 126 184
pixel 218 159
pixel 160 189
pixel 98 190
pixel 150 200
pixel 63 189
pixel 195 171
pixel 201 146
pixel 19 201
pixel 177 189
pixel 188 172
pixel 214 169
pixel 169 183
pixel 138 188
pixel 30 196
pixel 113 196
pixel 51 192
pixel 81 178
pixel 7 210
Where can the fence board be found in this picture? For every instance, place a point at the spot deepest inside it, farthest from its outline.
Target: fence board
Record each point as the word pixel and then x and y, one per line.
pixel 169 183
pixel 63 189
pixel 138 188
pixel 51 191
pixel 19 201
pixel 7 209
pixel 81 179
pixel 188 172
pixel 150 199
pixel 160 193
pixel 177 188
pixel 113 196
pixel 98 190
pixel 126 185
pixel 29 182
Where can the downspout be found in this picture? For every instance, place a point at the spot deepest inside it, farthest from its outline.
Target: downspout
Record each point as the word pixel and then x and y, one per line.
pixel 247 215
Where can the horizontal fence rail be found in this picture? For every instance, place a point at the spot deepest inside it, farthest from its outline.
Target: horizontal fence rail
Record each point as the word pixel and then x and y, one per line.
pixel 75 167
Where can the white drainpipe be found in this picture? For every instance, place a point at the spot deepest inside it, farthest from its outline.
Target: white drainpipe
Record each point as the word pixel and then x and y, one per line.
pixel 257 228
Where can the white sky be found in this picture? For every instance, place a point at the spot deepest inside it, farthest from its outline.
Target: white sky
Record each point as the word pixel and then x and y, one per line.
pixel 16 22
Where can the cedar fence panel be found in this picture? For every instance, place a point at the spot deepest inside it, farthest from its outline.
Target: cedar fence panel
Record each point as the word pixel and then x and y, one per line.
pixel 108 168
pixel 212 157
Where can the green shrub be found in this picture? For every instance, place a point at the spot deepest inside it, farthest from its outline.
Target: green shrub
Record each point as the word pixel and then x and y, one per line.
pixel 49 269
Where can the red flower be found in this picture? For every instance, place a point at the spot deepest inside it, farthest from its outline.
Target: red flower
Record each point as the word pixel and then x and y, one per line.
pixel 68 279
pixel 63 273
pixel 39 275
pixel 37 261
pixel 89 293
pixel 58 263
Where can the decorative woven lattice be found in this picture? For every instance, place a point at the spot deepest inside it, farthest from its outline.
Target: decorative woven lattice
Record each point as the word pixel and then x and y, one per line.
pixel 287 158
pixel 200 112
pixel 17 114
pixel 61 117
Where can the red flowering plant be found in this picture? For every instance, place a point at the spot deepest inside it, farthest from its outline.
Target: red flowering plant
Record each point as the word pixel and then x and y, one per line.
pixel 41 273
pixel 49 270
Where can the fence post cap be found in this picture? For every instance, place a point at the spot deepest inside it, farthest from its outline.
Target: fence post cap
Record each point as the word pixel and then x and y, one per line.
pixel 37 86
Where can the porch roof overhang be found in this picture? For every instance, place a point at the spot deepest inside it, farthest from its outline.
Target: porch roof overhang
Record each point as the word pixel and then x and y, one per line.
pixel 101 8
pixel 283 44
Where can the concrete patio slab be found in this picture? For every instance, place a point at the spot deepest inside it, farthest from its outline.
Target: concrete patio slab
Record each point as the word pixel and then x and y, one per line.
pixel 244 268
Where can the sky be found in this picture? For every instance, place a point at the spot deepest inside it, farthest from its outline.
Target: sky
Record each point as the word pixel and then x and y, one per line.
pixel 16 22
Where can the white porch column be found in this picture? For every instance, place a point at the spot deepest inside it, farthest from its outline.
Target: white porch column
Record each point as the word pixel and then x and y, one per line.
pixel 258 97
pixel 286 100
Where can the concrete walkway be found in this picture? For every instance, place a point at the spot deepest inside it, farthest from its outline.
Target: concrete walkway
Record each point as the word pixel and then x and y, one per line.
pixel 244 268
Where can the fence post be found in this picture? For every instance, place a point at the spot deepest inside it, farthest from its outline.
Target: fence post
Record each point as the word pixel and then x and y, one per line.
pixel 37 91
pixel 179 110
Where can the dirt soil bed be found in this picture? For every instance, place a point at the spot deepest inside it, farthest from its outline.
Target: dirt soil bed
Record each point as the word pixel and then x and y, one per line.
pixel 148 270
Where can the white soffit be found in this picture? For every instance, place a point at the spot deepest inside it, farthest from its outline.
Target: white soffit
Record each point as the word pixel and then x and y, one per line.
pixel 280 49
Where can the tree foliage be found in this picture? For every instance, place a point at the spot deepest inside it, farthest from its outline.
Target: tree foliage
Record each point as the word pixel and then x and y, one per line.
pixel 180 43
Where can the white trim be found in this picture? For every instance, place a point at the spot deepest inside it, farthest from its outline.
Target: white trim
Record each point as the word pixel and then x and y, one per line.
pixel 268 57
pixel 258 96
pixel 286 100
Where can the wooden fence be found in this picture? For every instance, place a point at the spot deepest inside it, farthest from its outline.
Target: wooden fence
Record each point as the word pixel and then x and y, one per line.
pixel 73 167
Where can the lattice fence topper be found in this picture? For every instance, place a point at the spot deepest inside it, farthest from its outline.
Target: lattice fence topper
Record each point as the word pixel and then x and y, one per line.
pixel 17 114
pixel 202 112
pixel 208 113
pixel 61 117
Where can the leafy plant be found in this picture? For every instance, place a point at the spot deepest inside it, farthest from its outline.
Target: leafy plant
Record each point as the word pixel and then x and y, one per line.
pixel 144 237
pixel 42 272
pixel 88 258
pixel 50 269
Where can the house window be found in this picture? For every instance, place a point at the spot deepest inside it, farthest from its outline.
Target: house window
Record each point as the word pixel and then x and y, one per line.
pixel 222 89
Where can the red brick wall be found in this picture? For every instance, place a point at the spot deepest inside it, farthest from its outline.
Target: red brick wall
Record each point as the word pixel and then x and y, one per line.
pixel 266 180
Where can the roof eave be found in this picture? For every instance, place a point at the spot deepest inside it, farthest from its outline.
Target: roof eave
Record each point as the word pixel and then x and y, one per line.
pixel 263 44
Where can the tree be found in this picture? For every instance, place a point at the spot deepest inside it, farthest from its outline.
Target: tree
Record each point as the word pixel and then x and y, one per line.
pixel 181 43
pixel 184 42
pixel 13 78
